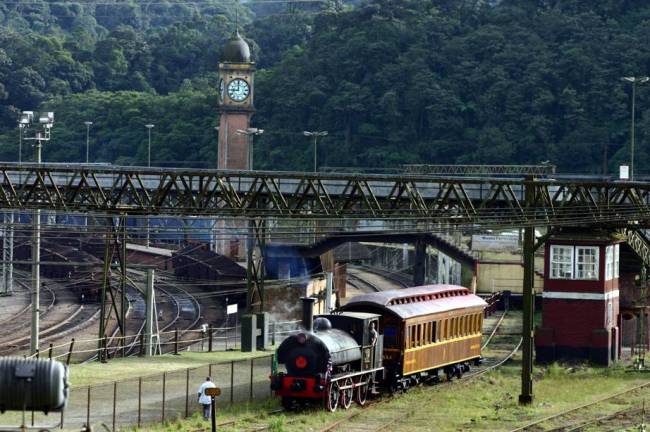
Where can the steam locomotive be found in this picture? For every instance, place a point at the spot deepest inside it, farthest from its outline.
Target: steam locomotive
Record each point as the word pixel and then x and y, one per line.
pixel 389 339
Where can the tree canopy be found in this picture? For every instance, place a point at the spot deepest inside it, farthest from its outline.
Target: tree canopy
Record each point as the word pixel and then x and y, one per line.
pixel 393 81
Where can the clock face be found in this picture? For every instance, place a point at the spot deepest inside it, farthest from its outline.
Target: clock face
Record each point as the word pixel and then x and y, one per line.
pixel 238 90
pixel 222 89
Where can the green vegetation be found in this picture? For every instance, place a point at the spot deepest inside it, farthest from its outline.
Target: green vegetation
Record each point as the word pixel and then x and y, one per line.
pixel 120 369
pixel 488 403
pixel 393 81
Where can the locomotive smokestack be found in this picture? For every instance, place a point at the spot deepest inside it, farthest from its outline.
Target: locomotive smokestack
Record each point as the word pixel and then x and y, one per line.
pixel 308 313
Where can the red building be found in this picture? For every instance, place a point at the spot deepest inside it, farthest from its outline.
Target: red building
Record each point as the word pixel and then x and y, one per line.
pixel 580 303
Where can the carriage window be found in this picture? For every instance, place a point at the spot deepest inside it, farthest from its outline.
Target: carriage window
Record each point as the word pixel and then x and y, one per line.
pixel 433 332
pixel 414 335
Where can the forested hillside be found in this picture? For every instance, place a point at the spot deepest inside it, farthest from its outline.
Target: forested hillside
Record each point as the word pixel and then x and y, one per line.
pixel 393 81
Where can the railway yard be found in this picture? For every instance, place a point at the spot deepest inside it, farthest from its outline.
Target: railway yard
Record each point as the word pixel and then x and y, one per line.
pixel 573 398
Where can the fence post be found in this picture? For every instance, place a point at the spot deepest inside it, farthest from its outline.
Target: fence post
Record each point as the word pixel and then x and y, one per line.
pixel 273 333
pixel 163 395
pixel 250 396
pixel 210 329
pixel 232 381
pixel 67 362
pixel 139 401
pixel 49 352
pixel 38 352
pixel 176 341
pixel 142 344
pixel 105 359
pixel 88 410
pixel 187 392
pixel 114 402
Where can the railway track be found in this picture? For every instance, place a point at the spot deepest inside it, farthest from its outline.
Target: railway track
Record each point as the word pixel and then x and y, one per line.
pixel 20 324
pixel 589 415
pixel 185 313
pixel 360 278
pixel 401 279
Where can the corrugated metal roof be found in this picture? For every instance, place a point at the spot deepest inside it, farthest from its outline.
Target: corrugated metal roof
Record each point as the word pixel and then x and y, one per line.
pixel 423 300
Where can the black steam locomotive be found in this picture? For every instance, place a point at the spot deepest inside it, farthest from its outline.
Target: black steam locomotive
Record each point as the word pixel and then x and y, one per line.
pixel 335 359
pixel 390 339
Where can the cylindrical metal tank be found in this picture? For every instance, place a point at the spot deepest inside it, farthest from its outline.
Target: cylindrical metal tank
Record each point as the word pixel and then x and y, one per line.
pixel 306 354
pixel 39 385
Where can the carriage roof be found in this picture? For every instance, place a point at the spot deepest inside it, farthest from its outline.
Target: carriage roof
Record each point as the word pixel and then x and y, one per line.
pixel 417 301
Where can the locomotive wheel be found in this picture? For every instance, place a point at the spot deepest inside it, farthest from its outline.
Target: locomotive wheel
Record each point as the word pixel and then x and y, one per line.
pixel 347 394
pixel 449 374
pixel 287 403
pixel 361 391
pixel 333 397
pixel 459 372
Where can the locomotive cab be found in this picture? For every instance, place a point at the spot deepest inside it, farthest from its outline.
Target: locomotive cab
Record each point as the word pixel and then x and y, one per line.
pixel 360 326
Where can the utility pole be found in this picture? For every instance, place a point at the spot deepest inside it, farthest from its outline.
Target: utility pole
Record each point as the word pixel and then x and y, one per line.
pixel 123 285
pixel 526 396
pixel 149 314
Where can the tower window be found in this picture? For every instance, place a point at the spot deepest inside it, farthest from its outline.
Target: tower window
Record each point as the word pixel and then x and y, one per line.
pixel 587 262
pixel 561 262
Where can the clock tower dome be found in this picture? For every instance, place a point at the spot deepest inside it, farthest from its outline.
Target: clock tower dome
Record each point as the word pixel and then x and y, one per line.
pixel 236 90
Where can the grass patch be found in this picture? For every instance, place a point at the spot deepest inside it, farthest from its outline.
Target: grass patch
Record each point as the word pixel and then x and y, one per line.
pixel 130 367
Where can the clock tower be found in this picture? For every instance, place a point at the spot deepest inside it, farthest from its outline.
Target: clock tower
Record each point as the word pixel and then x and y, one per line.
pixel 236 89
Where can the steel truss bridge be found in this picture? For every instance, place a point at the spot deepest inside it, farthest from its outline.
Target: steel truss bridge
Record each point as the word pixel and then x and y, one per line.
pixel 476 202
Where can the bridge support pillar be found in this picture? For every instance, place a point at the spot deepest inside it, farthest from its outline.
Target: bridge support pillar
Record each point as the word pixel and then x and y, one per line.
pixel 255 271
pixel 111 250
pixel 419 268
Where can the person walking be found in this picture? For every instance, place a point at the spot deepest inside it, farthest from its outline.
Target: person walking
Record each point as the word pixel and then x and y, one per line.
pixel 204 399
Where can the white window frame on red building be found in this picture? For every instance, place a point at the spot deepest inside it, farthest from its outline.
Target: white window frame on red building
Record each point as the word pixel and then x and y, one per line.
pixel 575 267
pixel 609 262
pixel 587 269
pixel 558 268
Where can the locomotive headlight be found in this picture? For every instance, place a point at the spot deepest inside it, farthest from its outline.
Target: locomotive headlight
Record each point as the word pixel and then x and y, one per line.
pixel 301 362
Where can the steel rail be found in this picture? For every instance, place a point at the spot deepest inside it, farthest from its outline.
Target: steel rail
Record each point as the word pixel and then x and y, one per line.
pixel 580 407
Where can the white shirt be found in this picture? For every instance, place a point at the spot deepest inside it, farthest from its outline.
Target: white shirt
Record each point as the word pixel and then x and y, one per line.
pixel 203 398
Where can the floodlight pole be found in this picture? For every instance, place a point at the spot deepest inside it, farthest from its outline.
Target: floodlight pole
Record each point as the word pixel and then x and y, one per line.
pixel 46 121
pixel 88 124
pixel 250 134
pixel 315 135
pixel 149 127
pixel 36 265
pixel 634 81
